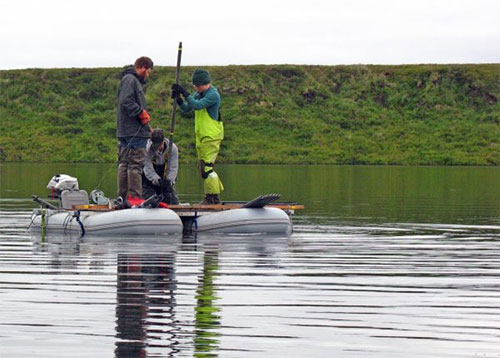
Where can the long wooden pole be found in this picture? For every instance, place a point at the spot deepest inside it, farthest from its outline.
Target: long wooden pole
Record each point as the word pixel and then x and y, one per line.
pixel 174 110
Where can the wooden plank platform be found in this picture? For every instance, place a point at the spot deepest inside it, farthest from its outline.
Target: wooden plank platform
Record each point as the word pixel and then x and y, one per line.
pixel 222 207
pixel 91 207
pixel 200 210
pixel 192 208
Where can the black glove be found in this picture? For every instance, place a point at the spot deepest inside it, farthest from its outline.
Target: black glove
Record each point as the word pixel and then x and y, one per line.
pixel 174 94
pixel 177 97
pixel 166 186
pixel 179 89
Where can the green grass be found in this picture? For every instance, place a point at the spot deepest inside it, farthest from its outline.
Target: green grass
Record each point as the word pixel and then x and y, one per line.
pixel 273 114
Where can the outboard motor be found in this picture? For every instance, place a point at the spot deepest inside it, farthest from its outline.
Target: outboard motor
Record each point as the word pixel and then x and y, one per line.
pixel 66 188
pixel 60 182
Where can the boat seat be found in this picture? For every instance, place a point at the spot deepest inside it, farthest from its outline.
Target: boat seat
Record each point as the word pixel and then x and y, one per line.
pixel 74 197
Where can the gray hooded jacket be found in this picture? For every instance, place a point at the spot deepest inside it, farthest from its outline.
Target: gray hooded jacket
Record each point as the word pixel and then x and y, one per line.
pixel 153 158
pixel 131 102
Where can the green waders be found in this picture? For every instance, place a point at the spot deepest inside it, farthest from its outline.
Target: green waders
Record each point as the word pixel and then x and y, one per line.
pixel 209 135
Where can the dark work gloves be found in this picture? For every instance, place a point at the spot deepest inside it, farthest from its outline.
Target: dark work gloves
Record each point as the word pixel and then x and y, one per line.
pixel 166 185
pixel 176 88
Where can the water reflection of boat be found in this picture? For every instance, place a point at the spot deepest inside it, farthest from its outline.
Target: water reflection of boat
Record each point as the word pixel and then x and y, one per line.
pixel 145 303
pixel 167 291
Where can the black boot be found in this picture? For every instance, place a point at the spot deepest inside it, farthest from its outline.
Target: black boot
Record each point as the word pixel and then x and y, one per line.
pixel 215 199
pixel 171 198
pixel 119 204
pixel 169 194
pixel 210 199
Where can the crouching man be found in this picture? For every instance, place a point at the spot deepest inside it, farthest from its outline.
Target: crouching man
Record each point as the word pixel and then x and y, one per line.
pixel 154 181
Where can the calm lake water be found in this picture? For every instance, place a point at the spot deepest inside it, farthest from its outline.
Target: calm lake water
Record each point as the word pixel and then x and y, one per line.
pixel 383 262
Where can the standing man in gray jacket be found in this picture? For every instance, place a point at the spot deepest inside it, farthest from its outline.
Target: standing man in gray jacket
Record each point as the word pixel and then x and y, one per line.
pixel 132 128
pixel 157 178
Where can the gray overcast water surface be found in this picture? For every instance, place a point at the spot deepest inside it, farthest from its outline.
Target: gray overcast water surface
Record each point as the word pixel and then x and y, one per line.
pixel 383 262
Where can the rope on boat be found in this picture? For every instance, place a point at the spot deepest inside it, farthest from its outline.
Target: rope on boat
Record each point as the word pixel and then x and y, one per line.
pixel 77 216
pixel 69 219
pixel 66 222
pixel 115 162
pixel 195 221
pixel 33 217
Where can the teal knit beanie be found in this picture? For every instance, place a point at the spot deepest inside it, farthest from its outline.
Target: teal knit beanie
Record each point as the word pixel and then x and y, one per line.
pixel 201 77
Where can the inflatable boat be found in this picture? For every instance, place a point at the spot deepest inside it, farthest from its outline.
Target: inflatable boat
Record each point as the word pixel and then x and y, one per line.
pixel 76 215
pixel 269 220
pixel 137 221
pixel 161 221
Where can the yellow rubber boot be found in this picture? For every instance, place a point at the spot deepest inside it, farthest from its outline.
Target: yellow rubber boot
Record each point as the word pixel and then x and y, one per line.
pixel 212 184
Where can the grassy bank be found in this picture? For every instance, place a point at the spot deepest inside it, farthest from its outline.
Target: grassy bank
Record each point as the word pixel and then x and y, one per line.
pixel 414 114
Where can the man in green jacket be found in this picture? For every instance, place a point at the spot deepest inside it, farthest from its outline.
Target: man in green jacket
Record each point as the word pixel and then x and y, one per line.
pixel 208 129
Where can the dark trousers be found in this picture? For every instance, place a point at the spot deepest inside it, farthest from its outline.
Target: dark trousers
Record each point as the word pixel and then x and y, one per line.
pixel 131 162
pixel 166 189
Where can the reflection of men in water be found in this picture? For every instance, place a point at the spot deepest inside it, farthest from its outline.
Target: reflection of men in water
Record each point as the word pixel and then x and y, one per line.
pixel 146 304
pixel 207 317
pixel 145 288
